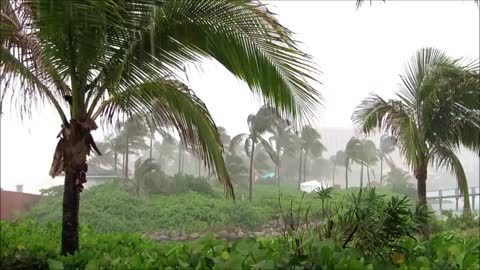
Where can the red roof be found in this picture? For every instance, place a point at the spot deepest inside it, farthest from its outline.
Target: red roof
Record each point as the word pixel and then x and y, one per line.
pixel 12 202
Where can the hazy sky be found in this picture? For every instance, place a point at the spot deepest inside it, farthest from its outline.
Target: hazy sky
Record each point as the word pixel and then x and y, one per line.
pixel 358 52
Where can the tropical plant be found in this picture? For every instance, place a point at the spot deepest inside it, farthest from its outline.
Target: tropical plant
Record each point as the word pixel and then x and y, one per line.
pixel 353 151
pixel 145 170
pixel 258 124
pixel 115 58
pixel 310 143
pixel 165 153
pixel 132 137
pixel 437 92
pixel 281 139
pixel 387 146
pixel 337 160
pixel 368 157
pixel 110 150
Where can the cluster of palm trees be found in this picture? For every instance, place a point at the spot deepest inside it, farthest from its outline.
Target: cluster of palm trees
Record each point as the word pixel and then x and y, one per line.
pixel 364 153
pixel 274 137
pixel 111 59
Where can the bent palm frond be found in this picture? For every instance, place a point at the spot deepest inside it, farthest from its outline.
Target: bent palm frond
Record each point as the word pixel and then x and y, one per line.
pixel 443 156
pixel 172 103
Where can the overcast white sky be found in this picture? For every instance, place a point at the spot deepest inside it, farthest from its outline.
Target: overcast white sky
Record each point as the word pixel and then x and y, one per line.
pixel 358 52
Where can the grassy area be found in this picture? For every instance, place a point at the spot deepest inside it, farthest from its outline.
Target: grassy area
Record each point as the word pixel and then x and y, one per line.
pixel 29 245
pixel 109 208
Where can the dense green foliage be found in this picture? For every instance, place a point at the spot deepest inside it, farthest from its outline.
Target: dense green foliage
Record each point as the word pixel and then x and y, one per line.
pixel 29 245
pixel 195 207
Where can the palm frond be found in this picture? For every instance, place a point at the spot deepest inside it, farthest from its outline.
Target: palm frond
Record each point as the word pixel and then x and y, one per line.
pixel 442 156
pixel 236 140
pixel 33 88
pixel 172 103
pixel 269 149
pixel 245 38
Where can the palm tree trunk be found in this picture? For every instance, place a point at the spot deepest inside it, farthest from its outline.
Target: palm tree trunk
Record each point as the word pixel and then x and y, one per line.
pixel 71 202
pixel 300 168
pixel 305 161
pixel 381 170
pixel 361 175
pixel 75 167
pixel 421 176
pixel 250 182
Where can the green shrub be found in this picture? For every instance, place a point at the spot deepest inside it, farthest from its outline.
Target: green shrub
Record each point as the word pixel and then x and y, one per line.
pixel 184 183
pixel 29 245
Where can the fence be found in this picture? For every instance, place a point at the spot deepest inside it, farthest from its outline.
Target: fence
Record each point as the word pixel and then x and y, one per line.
pixel 453 194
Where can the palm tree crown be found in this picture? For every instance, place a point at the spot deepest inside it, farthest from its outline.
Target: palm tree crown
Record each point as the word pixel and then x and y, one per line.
pixel 436 111
pixel 111 58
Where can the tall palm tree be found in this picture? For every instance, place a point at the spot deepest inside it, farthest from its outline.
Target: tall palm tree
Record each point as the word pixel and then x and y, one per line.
pixel 281 139
pixel 310 142
pixel 110 149
pixel 165 152
pixel 387 146
pixel 353 151
pixel 111 58
pixel 367 158
pixel 437 110
pixel 133 132
pixel 337 160
pixel 258 124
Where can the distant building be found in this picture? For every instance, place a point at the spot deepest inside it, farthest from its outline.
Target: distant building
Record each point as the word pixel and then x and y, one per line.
pixel 13 203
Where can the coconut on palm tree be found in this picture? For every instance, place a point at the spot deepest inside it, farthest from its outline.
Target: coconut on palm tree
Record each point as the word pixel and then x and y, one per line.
pixel 116 58
pixel 437 110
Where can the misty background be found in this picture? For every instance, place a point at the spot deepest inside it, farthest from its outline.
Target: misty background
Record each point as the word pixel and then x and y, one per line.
pixel 359 55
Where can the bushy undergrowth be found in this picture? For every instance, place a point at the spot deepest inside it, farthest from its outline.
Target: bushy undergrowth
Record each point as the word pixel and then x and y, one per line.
pixel 110 208
pixel 29 245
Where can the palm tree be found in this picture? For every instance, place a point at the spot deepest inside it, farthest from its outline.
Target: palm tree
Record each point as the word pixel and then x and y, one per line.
pixel 387 146
pixel 310 142
pixel 437 110
pixel 110 58
pixel 258 124
pixel 367 158
pixel 132 136
pixel 110 148
pixel 165 153
pixel 282 138
pixel 353 151
pixel 337 159
pixel 144 169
